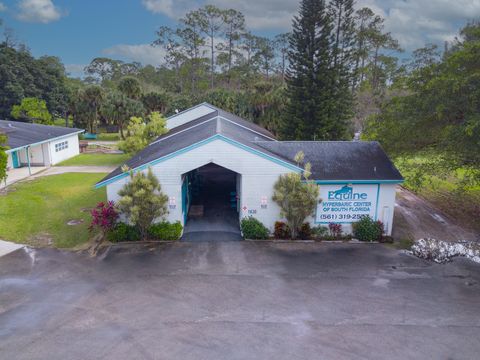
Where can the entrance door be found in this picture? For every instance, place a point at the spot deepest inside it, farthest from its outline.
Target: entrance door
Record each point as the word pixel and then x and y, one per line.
pixel 213 212
pixel 15 160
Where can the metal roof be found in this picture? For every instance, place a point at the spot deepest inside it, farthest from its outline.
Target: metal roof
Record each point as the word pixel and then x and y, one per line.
pixel 21 134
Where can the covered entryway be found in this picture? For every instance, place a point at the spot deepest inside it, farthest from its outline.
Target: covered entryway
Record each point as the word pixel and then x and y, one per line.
pixel 210 201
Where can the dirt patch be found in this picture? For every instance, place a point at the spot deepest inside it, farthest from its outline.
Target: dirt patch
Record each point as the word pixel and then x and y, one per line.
pixel 464 207
pixel 41 240
pixel 74 222
pixel 6 190
pixel 416 218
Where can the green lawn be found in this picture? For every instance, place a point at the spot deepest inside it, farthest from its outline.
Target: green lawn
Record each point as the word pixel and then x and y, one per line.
pixel 32 212
pixel 108 137
pixel 61 122
pixel 96 159
pixel 104 137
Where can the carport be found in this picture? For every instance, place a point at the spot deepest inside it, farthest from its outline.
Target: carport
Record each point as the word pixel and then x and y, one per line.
pixel 210 197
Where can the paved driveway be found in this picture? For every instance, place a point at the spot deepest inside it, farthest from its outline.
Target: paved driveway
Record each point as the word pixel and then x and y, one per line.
pixel 238 300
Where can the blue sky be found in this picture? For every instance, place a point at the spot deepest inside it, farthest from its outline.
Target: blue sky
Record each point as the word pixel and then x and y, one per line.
pixel 79 30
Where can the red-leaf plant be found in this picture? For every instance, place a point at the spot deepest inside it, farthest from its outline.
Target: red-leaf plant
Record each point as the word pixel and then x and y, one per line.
pixel 335 230
pixel 104 216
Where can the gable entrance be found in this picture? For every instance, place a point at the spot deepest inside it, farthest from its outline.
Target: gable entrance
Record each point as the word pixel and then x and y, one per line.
pixel 210 201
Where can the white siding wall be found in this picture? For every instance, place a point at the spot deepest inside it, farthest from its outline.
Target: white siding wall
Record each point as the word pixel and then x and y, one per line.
pixel 72 150
pixel 46 154
pixel 22 156
pixel 9 161
pixel 386 205
pixel 188 116
pixel 257 177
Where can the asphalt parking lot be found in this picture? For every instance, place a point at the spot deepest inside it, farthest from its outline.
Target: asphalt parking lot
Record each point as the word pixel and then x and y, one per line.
pixel 238 300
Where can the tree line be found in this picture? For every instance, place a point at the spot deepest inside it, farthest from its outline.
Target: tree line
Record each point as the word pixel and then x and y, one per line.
pixel 211 56
pixel 336 73
pixel 432 110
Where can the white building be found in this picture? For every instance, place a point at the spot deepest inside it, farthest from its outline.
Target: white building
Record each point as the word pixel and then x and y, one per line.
pixel 214 164
pixel 35 146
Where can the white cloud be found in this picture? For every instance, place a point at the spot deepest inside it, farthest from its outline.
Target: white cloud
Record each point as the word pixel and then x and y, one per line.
pixel 143 53
pixel 172 8
pixel 412 22
pixel 40 11
pixel 264 14
pixel 3 7
pixel 416 22
pixel 75 69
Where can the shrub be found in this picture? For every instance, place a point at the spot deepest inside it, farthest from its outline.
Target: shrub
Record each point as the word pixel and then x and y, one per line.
pixel 123 232
pixel 335 230
pixel 305 232
pixel 166 231
pixel 282 231
pixel 3 157
pixel 253 229
pixel 297 197
pixel 320 231
pixel 142 200
pixel 104 217
pixel 368 229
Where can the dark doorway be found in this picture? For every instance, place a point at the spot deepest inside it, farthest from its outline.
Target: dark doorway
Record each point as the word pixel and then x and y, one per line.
pixel 212 205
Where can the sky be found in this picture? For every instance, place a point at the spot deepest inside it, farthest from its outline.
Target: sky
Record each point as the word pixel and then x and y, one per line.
pixel 79 30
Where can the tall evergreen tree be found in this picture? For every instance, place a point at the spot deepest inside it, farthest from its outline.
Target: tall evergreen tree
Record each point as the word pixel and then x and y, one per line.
pixel 317 72
pixel 343 53
pixel 301 80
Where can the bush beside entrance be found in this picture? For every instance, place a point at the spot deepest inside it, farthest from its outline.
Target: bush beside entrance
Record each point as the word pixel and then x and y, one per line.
pixel 163 231
pixel 254 229
pixel 368 229
pixel 166 231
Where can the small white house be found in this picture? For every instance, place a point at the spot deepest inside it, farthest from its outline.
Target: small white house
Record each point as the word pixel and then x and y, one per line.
pixel 34 146
pixel 216 165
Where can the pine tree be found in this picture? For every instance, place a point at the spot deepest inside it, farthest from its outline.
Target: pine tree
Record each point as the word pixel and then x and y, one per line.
pixel 343 53
pixel 301 80
pixel 319 72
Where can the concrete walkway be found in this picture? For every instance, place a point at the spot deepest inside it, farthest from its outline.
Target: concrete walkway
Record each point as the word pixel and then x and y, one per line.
pixel 56 170
pixel 15 175
pixel 6 247
pixel 37 172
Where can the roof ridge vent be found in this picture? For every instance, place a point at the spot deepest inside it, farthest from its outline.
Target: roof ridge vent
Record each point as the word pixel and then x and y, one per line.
pixel 219 126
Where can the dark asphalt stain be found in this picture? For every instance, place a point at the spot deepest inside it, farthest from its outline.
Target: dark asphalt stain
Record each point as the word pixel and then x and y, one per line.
pixel 237 300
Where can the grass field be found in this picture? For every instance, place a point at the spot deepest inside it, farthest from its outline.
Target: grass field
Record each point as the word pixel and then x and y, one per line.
pixel 37 212
pixel 96 159
pixel 61 122
pixel 105 137
pixel 108 136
